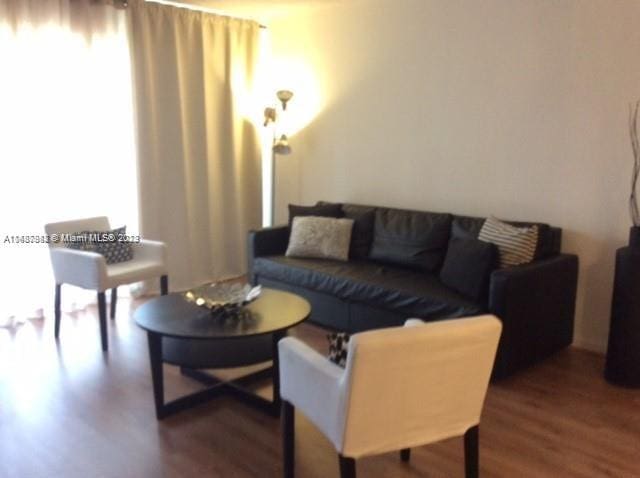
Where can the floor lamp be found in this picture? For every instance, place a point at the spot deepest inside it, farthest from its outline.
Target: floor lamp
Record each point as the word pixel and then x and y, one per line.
pixel 279 145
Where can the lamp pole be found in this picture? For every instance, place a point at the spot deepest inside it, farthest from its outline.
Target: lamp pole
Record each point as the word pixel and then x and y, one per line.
pixel 273 179
pixel 278 145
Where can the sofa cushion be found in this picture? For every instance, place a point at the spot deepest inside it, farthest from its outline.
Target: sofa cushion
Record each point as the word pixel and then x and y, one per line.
pixel 322 237
pixel 467 267
pixel 411 293
pixel 410 238
pixel 549 238
pixel 324 210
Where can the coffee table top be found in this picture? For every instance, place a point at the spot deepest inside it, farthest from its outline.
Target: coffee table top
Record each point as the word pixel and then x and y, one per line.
pixel 173 316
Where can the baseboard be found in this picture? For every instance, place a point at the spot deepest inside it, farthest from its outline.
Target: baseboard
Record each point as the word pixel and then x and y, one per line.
pixel 590 345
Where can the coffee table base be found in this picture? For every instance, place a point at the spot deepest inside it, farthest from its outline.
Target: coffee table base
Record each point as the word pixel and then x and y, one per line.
pixel 216 387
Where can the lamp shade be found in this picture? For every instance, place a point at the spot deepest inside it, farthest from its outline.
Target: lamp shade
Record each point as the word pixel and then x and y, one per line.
pixel 284 96
pixel 281 146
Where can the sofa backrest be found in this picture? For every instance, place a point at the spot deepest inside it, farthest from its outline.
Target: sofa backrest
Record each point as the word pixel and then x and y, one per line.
pixel 413 239
pixel 417 239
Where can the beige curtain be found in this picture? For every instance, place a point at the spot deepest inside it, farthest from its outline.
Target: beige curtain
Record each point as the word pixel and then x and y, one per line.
pixel 199 168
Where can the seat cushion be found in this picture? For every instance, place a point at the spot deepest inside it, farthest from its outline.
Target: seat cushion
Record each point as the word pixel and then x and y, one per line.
pixel 398 289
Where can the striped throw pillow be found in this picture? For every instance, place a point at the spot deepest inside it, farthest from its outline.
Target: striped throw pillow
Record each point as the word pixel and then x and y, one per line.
pixel 516 245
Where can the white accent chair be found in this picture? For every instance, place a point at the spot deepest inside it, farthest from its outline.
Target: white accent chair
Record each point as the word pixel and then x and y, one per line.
pixel 90 270
pixel 402 387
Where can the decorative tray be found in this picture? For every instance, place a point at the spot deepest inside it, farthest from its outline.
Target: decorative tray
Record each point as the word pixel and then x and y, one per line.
pixel 223 299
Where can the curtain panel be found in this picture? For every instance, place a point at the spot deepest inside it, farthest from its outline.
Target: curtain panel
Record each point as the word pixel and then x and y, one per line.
pixel 199 166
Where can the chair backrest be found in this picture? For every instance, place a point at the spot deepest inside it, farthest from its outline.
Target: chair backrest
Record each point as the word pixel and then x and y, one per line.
pixel 100 223
pixel 414 385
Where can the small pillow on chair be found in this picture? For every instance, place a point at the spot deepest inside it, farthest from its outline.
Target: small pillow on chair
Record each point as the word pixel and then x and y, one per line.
pixel 320 237
pixel 338 347
pixel 115 249
pixel 107 243
pixel 467 267
pixel 81 241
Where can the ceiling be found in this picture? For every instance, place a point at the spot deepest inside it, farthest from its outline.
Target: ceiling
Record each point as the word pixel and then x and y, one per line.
pixel 261 10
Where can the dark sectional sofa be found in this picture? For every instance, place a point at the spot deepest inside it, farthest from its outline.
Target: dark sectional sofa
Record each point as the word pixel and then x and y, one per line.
pixel 393 271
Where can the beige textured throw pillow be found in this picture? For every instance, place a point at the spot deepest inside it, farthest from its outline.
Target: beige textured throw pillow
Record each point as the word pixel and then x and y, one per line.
pixel 320 237
pixel 516 245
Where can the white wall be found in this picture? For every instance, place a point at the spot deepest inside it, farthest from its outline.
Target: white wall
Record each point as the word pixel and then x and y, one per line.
pixel 511 108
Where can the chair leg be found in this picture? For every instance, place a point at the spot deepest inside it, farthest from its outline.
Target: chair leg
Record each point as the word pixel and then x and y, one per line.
pixel 471 452
pixel 57 314
pixel 288 439
pixel 405 454
pixel 114 300
pixel 164 285
pixel 102 313
pixel 347 467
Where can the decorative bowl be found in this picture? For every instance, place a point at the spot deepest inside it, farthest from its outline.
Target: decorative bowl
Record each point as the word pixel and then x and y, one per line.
pixel 224 298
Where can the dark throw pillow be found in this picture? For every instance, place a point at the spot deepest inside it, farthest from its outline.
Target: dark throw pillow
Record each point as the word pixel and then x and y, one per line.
pixel 362 234
pixel 325 210
pixel 113 248
pixel 338 347
pixel 467 267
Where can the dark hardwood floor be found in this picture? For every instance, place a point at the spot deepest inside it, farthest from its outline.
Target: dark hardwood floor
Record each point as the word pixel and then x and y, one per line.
pixel 68 410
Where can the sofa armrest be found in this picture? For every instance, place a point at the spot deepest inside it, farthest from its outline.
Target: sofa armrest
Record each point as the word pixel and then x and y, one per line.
pixel 536 303
pixel 270 241
pixel 314 384
pixel 153 251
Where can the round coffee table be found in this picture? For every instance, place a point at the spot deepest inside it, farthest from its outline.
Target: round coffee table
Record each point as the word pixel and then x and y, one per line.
pixel 183 334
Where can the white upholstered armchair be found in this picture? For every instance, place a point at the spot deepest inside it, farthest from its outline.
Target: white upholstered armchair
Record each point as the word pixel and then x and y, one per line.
pixel 90 270
pixel 402 387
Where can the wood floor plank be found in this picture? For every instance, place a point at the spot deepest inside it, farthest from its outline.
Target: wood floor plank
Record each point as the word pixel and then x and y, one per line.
pixel 68 410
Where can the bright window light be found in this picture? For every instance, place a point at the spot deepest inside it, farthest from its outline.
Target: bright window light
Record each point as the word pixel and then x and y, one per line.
pixel 66 147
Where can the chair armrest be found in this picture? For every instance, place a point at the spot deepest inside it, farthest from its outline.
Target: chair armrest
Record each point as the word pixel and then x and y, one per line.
pixel 314 384
pixel 154 251
pixel 270 241
pixel 80 268
pixel 536 304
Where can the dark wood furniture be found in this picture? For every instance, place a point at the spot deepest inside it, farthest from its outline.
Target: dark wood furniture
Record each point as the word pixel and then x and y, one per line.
pixel 184 334
pixel 623 352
